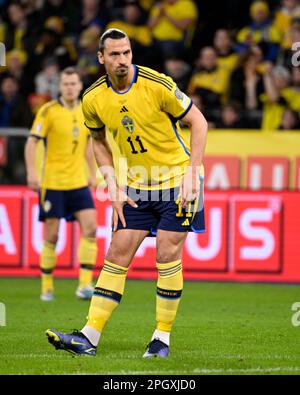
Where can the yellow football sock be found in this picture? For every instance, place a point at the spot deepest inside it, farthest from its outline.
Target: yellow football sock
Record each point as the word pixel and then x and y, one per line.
pixel 87 254
pixel 169 289
pixel 47 264
pixel 107 295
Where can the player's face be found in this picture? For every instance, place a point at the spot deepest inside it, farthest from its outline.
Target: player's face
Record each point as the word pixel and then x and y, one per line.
pixel 116 57
pixel 70 86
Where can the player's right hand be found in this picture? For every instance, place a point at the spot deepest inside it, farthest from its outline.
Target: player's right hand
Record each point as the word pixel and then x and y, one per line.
pixel 33 182
pixel 118 202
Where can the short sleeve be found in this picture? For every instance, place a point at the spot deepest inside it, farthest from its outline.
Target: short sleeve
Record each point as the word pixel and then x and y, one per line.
pixel 175 102
pixel 91 118
pixel 39 127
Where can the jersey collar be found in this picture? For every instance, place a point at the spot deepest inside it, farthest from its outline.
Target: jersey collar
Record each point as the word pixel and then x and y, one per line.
pixel 60 101
pixel 134 79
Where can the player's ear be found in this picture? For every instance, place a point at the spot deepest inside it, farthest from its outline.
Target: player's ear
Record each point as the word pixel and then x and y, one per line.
pixel 100 57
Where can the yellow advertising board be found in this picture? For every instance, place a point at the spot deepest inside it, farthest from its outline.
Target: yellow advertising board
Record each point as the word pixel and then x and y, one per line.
pixel 242 143
pixel 247 143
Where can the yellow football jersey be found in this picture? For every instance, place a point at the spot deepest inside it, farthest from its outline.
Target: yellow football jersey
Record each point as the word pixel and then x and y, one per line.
pixel 65 138
pixel 143 121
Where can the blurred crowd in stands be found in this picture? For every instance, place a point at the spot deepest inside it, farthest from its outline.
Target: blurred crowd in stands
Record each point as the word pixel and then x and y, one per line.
pixel 236 59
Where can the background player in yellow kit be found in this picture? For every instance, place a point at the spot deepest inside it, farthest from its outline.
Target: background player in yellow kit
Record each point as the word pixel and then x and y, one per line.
pixel 64 191
pixel 141 109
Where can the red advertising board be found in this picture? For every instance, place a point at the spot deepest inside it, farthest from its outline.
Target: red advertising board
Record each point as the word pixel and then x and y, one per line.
pixel 208 251
pixel 10 228
pixel 250 236
pixel 256 233
pixel 222 172
pixel 268 173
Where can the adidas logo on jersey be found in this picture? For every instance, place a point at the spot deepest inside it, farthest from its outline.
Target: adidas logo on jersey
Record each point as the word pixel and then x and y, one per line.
pixel 185 223
pixel 123 109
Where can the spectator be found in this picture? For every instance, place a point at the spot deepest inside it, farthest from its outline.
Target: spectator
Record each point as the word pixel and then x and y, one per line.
pixel 47 80
pixel 223 45
pixel 289 120
pixel 146 4
pixel 53 8
pixel 278 96
pixel 290 9
pixel 261 31
pixel 14 110
pixel 231 117
pixel 196 99
pixel 88 64
pixel 296 78
pixel 246 83
pixel 288 51
pixel 93 12
pixel 172 23
pixel 18 33
pixel 52 43
pixel 210 80
pixel 16 61
pixel 179 70
pixel 139 34
pixel 64 9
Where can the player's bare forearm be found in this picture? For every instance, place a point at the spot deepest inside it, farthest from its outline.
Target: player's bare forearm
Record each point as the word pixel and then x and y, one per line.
pixel 89 157
pixel 198 125
pixel 118 197
pixel 270 88
pixel 190 185
pixel 30 154
pixel 105 162
pixel 153 21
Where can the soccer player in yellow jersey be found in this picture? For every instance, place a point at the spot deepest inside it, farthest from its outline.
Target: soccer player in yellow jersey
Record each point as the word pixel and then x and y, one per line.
pixel 64 191
pixel 163 196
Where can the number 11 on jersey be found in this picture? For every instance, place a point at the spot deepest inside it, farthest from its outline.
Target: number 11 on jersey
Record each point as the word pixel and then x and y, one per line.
pixel 138 140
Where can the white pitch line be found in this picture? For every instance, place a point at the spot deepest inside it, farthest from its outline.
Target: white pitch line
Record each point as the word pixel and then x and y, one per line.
pixel 208 371
pixel 237 356
pixel 168 372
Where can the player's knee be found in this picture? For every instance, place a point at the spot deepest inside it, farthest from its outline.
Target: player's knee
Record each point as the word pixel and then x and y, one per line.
pixel 169 255
pixel 90 230
pixel 118 256
pixel 115 257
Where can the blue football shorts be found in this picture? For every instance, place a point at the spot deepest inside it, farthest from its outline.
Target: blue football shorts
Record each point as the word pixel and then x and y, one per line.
pixel 63 204
pixel 160 209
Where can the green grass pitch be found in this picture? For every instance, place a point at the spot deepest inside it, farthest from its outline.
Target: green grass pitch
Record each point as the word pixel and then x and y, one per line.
pixel 221 328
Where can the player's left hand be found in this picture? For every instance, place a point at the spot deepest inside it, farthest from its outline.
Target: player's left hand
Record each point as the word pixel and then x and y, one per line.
pixel 190 186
